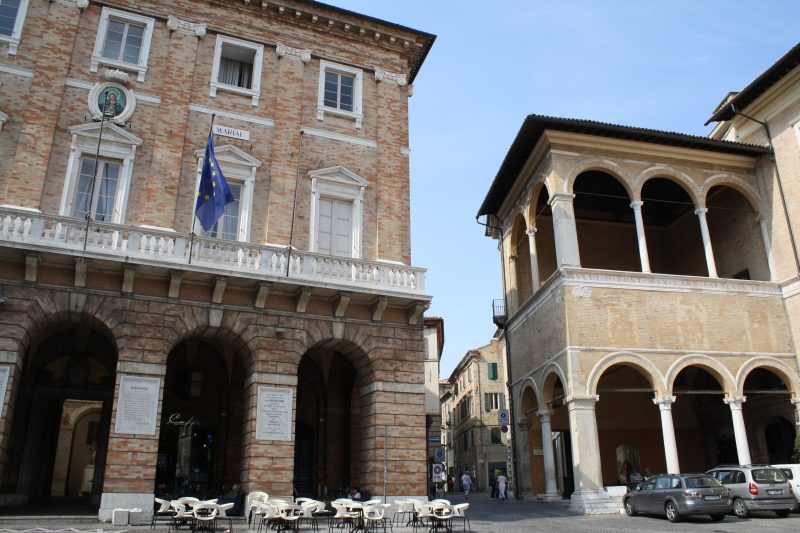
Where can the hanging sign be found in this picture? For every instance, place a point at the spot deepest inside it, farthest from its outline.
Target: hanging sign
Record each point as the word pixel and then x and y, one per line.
pixel 225 131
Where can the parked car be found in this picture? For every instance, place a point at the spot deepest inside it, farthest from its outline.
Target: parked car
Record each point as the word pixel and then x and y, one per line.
pixel 679 495
pixel 756 488
pixel 792 473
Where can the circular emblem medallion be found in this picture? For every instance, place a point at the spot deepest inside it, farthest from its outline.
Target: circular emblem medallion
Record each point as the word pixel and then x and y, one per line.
pixel 112 101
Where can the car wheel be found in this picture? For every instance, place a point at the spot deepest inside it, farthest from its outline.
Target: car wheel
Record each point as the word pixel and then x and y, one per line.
pixel 740 509
pixel 629 507
pixel 717 517
pixel 783 513
pixel 672 512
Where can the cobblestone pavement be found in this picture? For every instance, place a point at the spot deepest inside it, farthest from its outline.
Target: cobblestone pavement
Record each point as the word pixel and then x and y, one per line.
pixel 504 516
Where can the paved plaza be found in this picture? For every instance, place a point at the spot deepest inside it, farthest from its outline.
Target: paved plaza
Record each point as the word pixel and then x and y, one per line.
pixel 495 516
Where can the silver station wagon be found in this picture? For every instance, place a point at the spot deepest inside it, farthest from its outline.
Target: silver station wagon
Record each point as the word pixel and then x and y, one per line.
pixel 678 495
pixel 756 488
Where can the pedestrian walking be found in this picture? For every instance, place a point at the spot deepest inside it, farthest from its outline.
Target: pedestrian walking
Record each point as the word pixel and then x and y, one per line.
pixel 492 486
pixel 466 484
pixel 502 482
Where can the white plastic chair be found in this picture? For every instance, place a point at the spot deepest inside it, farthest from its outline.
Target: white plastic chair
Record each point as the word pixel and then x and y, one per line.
pixel 163 513
pixel 205 516
pixel 223 514
pixel 375 517
pixel 254 499
pixel 460 513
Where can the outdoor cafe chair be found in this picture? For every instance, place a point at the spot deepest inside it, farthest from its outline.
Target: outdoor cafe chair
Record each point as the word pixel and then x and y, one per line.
pixel 254 499
pixel 422 513
pixel 181 516
pixel 441 516
pixel 205 516
pixel 342 517
pixel 289 516
pixel 405 511
pixel 307 510
pixel 268 515
pixel 223 514
pixel 162 514
pixel 460 513
pixel 375 517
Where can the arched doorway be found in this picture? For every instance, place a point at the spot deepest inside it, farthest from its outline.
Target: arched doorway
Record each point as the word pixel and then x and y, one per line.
pixel 533 457
pixel 766 414
pixel 631 445
pixel 62 419
pixel 328 431
pixel 554 399
pixel 200 442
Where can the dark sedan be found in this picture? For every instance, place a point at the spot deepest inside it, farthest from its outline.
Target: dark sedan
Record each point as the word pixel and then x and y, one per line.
pixel 679 495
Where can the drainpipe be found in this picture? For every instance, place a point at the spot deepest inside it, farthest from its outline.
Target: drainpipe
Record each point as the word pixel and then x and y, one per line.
pixel 503 326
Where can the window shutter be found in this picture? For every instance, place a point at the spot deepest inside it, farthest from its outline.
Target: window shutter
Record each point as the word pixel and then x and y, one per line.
pixel 492 370
pixel 502 401
pixel 343 229
pixel 487 402
pixel 324 233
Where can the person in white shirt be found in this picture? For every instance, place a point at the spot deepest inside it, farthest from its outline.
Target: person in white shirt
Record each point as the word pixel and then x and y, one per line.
pixel 466 484
pixel 502 482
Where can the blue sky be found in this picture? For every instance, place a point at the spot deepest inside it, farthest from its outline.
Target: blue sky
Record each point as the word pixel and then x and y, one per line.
pixel 656 64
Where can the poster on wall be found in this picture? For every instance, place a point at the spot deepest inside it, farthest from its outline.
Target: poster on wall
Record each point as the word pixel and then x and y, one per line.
pixel 137 406
pixel 274 414
pixel 4 372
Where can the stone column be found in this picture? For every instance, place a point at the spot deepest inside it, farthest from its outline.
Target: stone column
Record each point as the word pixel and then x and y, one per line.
pixel 130 459
pixel 513 286
pixel 11 361
pixel 52 61
pixel 796 403
pixel 712 266
pixel 159 192
pixel 668 432
pixel 267 464
pixel 550 487
pixel 739 430
pixel 392 167
pixel 286 143
pixel 534 259
pixel 644 258
pixel 524 448
pixel 564 229
pixel 762 223
pixel 585 450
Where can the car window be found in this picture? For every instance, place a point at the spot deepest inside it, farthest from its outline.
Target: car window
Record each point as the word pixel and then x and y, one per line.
pixel 649 485
pixel 725 476
pixel 700 482
pixel 662 483
pixel 739 478
pixel 768 475
pixel 787 472
pixel 676 483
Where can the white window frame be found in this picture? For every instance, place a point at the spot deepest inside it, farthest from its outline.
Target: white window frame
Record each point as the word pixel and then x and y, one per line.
pixel 357 113
pixel 123 16
pixel 13 40
pixel 258 60
pixel 237 165
pixel 116 144
pixel 341 184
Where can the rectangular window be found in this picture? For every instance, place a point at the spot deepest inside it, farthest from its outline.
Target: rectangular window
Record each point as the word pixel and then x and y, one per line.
pixel 9 10
pixel 236 66
pixel 496 436
pixel 123 41
pixel 227 227
pixel 493 401
pixel 96 191
pixel 339 90
pixel 492 370
pixel 334 227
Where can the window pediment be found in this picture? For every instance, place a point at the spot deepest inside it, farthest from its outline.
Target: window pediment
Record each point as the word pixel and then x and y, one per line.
pixel 340 175
pixel 112 134
pixel 232 155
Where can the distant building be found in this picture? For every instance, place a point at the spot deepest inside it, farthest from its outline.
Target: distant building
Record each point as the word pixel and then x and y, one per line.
pixel 652 292
pixel 434 343
pixel 143 355
pixel 474 399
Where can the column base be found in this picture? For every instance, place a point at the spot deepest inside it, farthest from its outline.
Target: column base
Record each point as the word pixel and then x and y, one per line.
pixel 126 500
pixel 551 496
pixel 595 502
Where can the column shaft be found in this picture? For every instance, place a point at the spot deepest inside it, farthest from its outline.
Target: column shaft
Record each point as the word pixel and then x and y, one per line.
pixel 711 264
pixel 762 223
pixel 668 433
pixel 534 259
pixel 564 228
pixel 739 430
pixel 644 258
pixel 585 444
pixel 550 488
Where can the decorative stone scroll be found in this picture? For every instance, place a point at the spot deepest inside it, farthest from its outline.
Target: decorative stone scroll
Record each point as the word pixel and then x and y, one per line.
pixel 176 24
pixel 274 414
pixel 385 75
pixel 295 54
pixel 80 4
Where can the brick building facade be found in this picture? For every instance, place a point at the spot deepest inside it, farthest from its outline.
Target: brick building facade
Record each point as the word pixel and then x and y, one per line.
pixel 651 293
pixel 266 351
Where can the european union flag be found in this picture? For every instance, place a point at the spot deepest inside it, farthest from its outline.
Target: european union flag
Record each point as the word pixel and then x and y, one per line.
pixel 213 194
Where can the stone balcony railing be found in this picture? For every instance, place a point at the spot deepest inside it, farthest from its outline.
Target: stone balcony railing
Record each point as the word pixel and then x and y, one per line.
pixel 48 233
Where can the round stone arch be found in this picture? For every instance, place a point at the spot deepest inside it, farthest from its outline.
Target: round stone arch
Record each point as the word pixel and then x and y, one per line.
pixel 600 165
pixel 549 375
pixel 669 173
pixel 721 373
pixel 642 364
pixel 781 369
pixel 527 388
pixel 530 211
pixel 738 184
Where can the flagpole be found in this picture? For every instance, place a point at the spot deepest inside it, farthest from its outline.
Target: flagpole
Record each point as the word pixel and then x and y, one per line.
pixel 94 174
pixel 194 211
pixel 294 205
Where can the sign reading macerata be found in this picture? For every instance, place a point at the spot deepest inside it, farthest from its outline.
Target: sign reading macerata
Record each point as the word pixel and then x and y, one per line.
pixel 274 414
pixel 137 407
pixel 225 131
pixel 4 371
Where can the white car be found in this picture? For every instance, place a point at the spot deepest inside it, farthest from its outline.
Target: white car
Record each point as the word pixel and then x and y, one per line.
pixel 793 473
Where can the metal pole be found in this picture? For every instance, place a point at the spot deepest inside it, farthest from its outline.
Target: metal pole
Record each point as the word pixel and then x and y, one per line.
pixel 294 206
pixel 385 463
pixel 96 165
pixel 194 214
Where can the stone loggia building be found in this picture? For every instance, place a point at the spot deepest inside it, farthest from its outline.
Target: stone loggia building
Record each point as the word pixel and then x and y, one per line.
pixel 273 351
pixel 651 288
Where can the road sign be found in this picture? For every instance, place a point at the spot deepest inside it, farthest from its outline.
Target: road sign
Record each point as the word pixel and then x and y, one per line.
pixel 437 472
pixel 502 417
pixel 438 455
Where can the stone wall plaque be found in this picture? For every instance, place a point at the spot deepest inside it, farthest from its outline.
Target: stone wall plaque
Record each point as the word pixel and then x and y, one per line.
pixel 137 406
pixel 274 414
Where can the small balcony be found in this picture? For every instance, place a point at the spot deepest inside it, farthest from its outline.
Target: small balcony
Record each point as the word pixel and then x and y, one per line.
pixel 499 315
pixel 33 231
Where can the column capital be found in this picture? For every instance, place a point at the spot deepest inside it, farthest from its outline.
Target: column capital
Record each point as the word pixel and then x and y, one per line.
pixel 293 53
pixel 795 402
pixel 701 211
pixel 582 401
pixel 735 402
pixel 664 402
pixel 561 197
pixel 636 205
pixel 174 23
pixel 531 231
pixel 544 414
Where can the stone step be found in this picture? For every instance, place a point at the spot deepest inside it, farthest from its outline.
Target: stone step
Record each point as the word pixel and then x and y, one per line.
pixel 46 522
